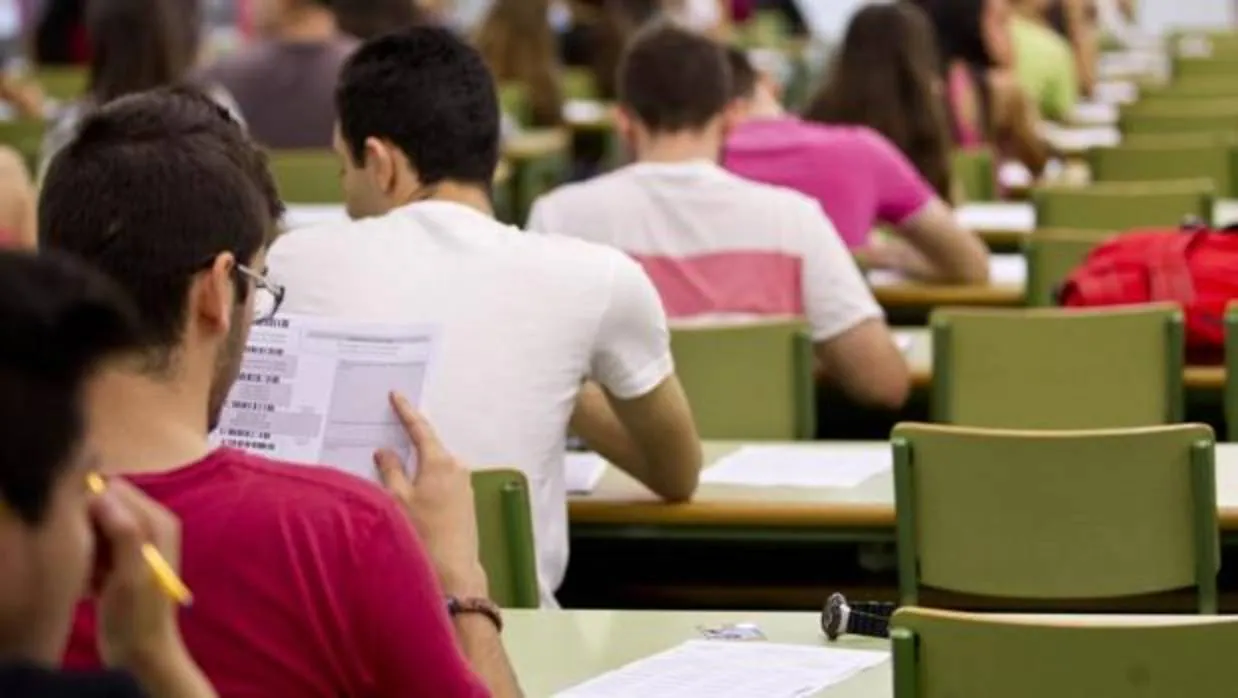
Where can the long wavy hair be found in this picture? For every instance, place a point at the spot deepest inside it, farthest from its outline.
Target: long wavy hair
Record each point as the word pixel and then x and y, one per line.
pixel 518 45
pixel 886 77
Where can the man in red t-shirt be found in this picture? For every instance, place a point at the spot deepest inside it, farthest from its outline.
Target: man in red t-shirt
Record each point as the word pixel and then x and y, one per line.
pixel 307 582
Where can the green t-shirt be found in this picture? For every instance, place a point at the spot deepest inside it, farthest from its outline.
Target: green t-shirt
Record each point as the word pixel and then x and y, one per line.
pixel 1045 66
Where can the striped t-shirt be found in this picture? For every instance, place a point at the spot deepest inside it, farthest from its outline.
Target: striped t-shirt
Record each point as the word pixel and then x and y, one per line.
pixel 716 245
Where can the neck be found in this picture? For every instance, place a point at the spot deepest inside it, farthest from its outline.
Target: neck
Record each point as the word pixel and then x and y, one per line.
pixel 763 105
pixel 680 147
pixel 469 195
pixel 309 26
pixel 143 423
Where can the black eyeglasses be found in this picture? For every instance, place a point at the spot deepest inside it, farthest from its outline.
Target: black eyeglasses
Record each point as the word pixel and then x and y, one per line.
pixel 269 295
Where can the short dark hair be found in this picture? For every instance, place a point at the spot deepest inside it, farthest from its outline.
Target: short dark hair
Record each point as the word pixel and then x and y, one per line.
pixel 138 45
pixel 60 320
pixel 366 19
pixel 743 75
pixel 430 94
pixel 151 189
pixel 674 79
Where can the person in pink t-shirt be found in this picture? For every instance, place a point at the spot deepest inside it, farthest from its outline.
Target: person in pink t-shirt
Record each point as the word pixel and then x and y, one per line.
pixel 860 179
pixel 307 581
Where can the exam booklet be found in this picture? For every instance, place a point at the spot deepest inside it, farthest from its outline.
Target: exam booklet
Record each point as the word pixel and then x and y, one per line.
pixel 315 390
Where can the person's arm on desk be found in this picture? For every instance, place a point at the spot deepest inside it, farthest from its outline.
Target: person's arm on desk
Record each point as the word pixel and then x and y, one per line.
pixel 439 502
pixel 634 412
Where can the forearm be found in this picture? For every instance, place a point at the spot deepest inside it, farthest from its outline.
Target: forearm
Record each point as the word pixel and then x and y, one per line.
pixel 171 674
pixel 483 648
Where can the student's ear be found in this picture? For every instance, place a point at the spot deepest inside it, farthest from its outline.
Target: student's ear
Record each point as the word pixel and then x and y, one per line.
pixel 771 86
pixel 213 294
pixel 733 115
pixel 625 126
pixel 381 165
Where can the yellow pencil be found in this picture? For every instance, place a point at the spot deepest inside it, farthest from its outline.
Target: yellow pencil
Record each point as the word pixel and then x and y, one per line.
pixel 167 578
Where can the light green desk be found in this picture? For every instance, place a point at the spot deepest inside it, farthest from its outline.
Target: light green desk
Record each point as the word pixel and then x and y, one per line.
pixel 621 508
pixel 917 345
pixel 555 650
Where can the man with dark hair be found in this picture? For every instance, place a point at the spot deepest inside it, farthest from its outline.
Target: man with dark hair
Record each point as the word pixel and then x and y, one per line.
pixel 860 179
pixel 716 246
pixel 284 82
pixel 526 319
pixel 308 581
pixel 60 322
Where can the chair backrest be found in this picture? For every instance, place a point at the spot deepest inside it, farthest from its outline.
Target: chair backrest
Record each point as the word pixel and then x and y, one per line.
pixel 1199 67
pixel 1051 256
pixel 975 174
pixel 1221 106
pixel 954 655
pixel 1066 515
pixel 63 83
pixel 1206 87
pixel 1150 162
pixel 1184 121
pixel 579 83
pixel 750 381
pixel 26 137
pixel 514 101
pixel 1231 372
pixel 1058 368
pixel 307 176
pixel 1123 205
pixel 505 530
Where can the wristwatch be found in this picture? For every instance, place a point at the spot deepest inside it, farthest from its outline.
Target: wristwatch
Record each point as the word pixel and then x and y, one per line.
pixel 483 607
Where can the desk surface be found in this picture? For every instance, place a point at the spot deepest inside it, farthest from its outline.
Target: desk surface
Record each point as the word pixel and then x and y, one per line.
pixel 1018 218
pixel 555 650
pixel 917 346
pixel 620 500
pixel 1007 283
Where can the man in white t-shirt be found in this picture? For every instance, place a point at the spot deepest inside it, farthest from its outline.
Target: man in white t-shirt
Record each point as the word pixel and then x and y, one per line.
pixel 527 319
pixel 715 244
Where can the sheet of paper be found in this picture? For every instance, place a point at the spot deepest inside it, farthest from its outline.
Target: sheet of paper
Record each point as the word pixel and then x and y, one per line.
pixel 1095 114
pixel 1115 92
pixel 584 111
pixel 304 215
pixel 721 669
pixel 1001 216
pixel 584 471
pixel 1015 175
pixel 798 466
pixel 315 390
pixel 904 341
pixel 1075 139
pixel 1008 269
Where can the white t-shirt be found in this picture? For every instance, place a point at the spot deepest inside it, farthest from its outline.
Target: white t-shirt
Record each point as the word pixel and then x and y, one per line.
pixel 716 245
pixel 525 318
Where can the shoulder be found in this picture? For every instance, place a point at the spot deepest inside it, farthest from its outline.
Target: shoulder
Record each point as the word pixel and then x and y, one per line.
pixel 593 191
pixel 774 198
pixel 323 496
pixel 316 242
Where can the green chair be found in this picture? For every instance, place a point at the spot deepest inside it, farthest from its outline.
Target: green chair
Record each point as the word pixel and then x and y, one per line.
pixel 751 381
pixel 579 83
pixel 505 531
pixel 1184 121
pixel 1201 67
pixel 26 137
pixel 1160 104
pixel 1123 205
pixel 1200 87
pixel 514 100
pixel 1231 372
pixel 62 83
pixel 1056 516
pixel 307 176
pixel 956 655
pixel 1057 368
pixel 539 163
pixel 975 174
pixel 1051 256
pixel 1151 162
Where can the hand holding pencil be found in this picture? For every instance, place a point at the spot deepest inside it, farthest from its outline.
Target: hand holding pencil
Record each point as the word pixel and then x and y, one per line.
pixel 139 589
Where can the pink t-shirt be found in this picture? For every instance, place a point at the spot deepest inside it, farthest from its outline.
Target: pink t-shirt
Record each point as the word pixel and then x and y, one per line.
pixel 859 178
pixel 307 582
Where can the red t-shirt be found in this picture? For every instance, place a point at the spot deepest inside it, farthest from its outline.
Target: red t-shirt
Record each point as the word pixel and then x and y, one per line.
pixel 307 582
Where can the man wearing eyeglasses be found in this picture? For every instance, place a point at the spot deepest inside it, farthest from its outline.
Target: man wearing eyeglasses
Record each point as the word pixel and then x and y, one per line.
pixel 307 582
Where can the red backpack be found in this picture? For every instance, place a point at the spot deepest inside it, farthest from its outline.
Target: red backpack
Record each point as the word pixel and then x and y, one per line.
pixel 1194 267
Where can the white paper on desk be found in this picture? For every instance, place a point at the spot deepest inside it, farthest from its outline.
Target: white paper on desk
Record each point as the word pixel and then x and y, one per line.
pixel 720 669
pixel 1095 114
pixel 584 110
pixel 1008 269
pixel 798 466
pixel 1115 92
pixel 315 390
pixel 1072 139
pixel 584 471
pixel 1003 216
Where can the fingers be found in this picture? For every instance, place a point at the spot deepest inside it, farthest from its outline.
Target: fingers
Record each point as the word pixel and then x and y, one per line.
pixel 156 524
pixel 430 450
pixel 391 472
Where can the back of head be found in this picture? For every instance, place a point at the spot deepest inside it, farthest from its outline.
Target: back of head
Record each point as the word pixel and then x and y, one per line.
pixel 429 94
pixel 743 75
pixel 617 24
pixel 517 43
pixel 673 80
pixel 139 45
pixel 151 189
pixel 959 27
pixel 60 320
pixel 885 77
pixel 366 19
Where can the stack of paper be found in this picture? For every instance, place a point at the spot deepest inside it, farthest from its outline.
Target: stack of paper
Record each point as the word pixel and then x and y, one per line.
pixel 584 471
pixel 730 670
pixel 1012 216
pixel 799 466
